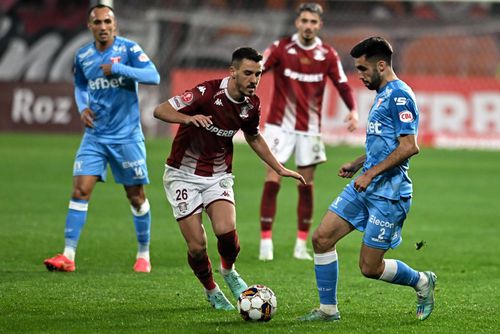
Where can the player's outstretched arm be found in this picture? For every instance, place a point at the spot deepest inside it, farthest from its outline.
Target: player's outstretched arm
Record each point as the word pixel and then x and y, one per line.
pixel 259 145
pixel 167 113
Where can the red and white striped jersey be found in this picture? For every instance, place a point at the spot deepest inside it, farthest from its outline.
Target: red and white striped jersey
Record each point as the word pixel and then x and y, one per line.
pixel 300 75
pixel 209 151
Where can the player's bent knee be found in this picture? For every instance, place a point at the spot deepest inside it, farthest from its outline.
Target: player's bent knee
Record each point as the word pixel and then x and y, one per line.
pixel 81 193
pixel 369 272
pixel 321 243
pixel 197 251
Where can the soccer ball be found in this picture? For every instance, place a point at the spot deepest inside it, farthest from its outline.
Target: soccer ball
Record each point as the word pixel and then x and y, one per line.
pixel 257 303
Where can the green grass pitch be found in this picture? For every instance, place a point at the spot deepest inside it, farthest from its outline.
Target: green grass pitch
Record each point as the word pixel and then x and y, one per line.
pixel 455 211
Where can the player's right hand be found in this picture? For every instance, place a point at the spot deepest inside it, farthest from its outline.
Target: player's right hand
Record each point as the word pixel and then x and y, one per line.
pixel 200 121
pixel 87 117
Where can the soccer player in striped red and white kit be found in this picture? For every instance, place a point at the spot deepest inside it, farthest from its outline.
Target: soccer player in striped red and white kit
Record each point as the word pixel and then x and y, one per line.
pixel 198 171
pixel 301 64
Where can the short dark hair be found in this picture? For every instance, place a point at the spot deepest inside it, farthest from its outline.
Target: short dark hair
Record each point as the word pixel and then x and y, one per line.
pixel 312 7
pixel 245 52
pixel 373 47
pixel 99 6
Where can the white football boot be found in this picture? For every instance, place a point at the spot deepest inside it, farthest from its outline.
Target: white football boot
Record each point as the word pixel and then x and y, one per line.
pixel 266 250
pixel 300 252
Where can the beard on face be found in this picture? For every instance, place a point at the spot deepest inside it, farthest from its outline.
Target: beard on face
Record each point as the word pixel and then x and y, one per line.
pixel 375 81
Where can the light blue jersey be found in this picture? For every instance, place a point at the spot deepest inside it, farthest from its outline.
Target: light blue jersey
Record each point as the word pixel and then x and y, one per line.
pixel 113 99
pixel 394 113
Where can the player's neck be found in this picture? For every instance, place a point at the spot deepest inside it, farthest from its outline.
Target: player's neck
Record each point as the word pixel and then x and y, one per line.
pixel 388 78
pixel 233 91
pixel 306 42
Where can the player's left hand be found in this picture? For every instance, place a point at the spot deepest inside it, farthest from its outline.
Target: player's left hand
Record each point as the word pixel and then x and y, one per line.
pixel 290 173
pixel 352 120
pixel 362 182
pixel 106 69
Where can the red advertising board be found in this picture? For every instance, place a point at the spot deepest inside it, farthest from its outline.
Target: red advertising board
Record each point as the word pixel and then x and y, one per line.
pixel 454 112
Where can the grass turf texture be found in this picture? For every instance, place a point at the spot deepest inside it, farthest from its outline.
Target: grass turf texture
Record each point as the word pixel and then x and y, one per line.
pixel 455 211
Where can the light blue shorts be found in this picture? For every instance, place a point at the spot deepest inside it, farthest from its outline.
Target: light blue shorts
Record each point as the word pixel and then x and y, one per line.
pixel 380 218
pixel 127 161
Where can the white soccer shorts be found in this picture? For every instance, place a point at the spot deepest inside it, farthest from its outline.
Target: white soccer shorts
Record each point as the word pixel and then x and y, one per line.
pixel 188 194
pixel 309 149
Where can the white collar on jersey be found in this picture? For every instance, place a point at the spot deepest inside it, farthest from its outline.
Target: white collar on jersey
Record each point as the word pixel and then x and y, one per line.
pixel 223 85
pixel 296 39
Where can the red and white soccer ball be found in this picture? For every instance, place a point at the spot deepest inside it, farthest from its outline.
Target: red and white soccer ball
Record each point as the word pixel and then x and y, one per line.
pixel 257 303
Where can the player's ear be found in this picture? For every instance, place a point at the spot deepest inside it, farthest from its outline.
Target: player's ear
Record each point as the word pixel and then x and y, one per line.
pixel 232 72
pixel 381 65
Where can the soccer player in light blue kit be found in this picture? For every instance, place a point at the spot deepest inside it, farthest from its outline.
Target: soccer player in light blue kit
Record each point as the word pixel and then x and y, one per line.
pixel 378 200
pixel 107 73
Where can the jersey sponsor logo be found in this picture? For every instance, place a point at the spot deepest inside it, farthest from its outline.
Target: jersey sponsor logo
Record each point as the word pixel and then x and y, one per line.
pixel 303 77
pixel 374 220
pixel 218 102
pixel 143 58
pixel 374 128
pixel 187 97
pixel 115 60
pixel 225 194
pixel 400 101
pixel 406 116
pixel 105 83
pixel 220 132
pixel 202 89
pixel 379 102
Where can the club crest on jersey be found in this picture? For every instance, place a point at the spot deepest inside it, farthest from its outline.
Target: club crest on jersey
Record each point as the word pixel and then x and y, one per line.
pixel 187 97
pixel 319 55
pixel 406 116
pixel 244 110
pixel 115 60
